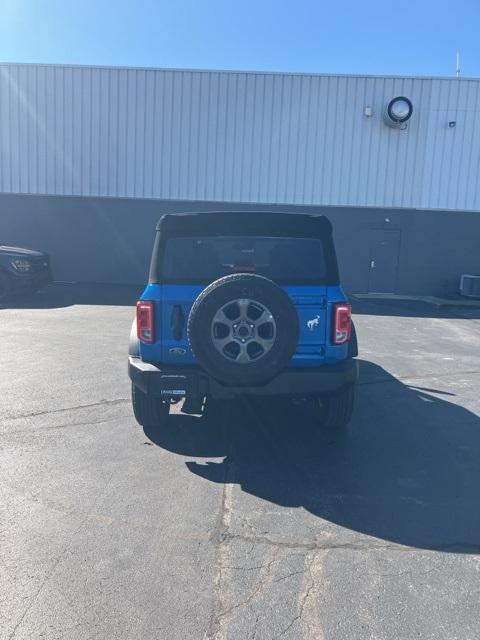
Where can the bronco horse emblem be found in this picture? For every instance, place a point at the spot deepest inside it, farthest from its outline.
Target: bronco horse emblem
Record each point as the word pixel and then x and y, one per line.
pixel 314 322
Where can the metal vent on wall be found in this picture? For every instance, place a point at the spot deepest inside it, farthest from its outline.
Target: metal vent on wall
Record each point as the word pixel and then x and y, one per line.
pixel 470 285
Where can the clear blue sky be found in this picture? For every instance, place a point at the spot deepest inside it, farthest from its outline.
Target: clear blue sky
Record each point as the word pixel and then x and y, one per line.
pixel 339 36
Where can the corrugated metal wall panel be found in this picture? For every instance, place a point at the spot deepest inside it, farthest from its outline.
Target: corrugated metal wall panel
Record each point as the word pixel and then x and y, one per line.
pixel 251 137
pixel 452 159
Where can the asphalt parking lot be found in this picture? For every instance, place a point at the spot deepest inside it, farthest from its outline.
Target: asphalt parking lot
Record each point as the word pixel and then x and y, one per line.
pixel 248 523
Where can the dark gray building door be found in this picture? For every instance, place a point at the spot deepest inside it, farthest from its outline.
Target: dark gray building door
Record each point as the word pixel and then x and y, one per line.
pixel 385 246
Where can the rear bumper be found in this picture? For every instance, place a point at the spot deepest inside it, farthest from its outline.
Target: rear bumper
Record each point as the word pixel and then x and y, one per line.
pixel 173 382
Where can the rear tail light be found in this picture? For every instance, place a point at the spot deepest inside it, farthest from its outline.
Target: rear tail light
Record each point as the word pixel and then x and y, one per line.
pixel 342 323
pixel 145 321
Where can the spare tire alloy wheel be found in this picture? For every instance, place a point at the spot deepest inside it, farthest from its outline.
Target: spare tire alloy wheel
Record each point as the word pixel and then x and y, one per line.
pixel 243 329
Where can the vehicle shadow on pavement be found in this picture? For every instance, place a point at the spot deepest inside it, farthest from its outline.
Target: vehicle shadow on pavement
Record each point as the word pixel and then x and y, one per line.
pixel 60 295
pixel 406 470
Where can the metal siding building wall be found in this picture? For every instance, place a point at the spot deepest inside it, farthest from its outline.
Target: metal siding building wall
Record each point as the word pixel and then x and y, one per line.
pixel 237 137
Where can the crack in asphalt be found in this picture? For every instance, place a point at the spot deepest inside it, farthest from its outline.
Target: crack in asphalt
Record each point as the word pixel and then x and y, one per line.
pixel 303 600
pixel 255 627
pixel 453 547
pixel 257 568
pixel 58 426
pixel 72 408
pixel 289 575
pixel 261 586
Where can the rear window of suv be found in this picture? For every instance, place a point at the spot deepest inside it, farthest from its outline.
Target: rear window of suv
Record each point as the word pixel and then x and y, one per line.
pixel 204 259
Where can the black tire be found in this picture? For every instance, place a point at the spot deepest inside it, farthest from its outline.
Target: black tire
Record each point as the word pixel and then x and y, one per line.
pixel 149 411
pixel 228 289
pixel 5 286
pixel 353 343
pixel 335 411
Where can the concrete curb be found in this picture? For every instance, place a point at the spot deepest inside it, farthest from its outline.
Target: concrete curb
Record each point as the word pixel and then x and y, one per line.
pixel 438 302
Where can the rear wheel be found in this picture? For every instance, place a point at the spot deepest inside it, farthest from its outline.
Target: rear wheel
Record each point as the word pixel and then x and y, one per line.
pixel 335 411
pixel 149 411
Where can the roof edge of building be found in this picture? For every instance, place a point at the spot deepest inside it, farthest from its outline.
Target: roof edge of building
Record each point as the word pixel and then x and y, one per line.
pixel 238 71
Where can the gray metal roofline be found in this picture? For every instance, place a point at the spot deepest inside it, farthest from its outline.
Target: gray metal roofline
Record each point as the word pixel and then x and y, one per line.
pixel 239 71
pixel 316 205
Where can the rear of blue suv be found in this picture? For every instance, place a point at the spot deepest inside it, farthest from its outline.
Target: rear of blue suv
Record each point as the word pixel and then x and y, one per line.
pixel 239 304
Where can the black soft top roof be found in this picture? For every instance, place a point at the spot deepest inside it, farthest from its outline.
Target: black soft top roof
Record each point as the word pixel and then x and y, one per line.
pixel 244 223
pixel 261 223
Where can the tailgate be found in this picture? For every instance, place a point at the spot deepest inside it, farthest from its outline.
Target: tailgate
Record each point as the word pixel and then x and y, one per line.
pixel 311 306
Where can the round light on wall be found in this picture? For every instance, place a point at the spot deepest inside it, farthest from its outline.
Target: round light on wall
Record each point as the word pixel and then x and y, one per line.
pixel 398 111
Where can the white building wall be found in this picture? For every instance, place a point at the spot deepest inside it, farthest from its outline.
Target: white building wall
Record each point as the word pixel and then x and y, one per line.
pixel 237 137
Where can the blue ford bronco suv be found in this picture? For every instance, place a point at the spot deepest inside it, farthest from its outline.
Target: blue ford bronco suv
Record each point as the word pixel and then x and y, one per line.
pixel 238 304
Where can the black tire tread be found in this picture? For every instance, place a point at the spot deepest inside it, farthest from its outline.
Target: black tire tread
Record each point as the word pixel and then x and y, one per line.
pixel 353 343
pixel 149 411
pixel 338 408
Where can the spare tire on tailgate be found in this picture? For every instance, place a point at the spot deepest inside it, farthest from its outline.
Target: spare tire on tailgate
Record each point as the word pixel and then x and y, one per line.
pixel 243 329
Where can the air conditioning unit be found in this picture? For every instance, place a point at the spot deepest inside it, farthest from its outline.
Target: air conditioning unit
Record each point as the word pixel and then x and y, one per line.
pixel 470 286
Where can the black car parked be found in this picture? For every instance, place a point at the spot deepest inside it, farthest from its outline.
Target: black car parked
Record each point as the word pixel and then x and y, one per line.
pixel 23 271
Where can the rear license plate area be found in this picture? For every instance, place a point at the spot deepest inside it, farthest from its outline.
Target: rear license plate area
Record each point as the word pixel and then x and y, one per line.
pixel 178 385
